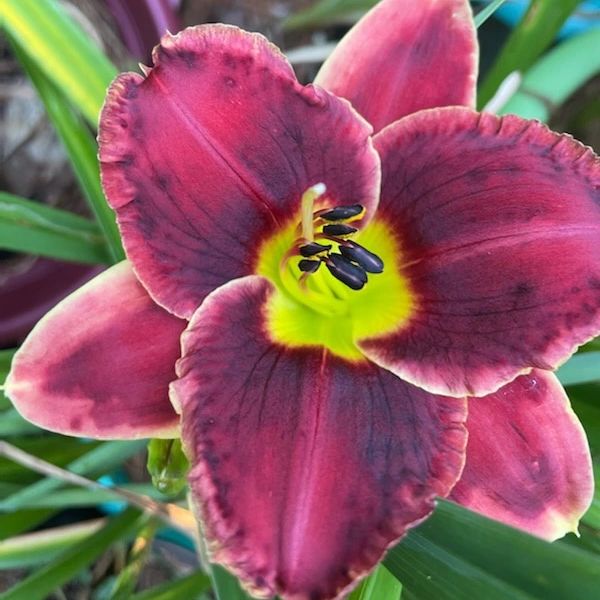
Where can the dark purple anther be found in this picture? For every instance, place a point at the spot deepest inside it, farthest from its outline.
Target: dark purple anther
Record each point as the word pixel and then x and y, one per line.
pixel 342 213
pixel 313 248
pixel 367 260
pixel 337 229
pixel 348 273
pixel 309 266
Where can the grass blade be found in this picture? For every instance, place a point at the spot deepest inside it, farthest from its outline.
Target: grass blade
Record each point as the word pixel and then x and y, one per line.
pixel 576 59
pixel 528 40
pixel 128 577
pixel 45 580
pixel 225 585
pixel 100 460
pixel 80 146
pixel 5 360
pixel 81 497
pixel 485 13
pixel 328 11
pixel 27 226
pixel 190 587
pixel 23 520
pixel 63 52
pixel 581 368
pixel 13 424
pixel 459 555
pixel 379 584
pixel 40 547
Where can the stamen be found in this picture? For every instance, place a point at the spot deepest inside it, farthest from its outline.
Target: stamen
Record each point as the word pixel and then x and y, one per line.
pixel 314 248
pixel 351 263
pixel 308 200
pixel 342 213
pixel 347 272
pixel 369 261
pixel 309 266
pixel 338 229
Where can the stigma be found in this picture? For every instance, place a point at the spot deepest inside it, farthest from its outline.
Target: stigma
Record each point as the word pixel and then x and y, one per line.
pixel 325 240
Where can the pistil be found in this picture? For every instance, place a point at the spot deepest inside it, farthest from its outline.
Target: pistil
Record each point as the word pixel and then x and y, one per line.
pixel 308 201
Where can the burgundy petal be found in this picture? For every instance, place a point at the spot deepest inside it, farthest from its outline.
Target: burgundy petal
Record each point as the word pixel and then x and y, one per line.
pixel 404 56
pixel 99 363
pixel 211 153
pixel 528 461
pixel 499 221
pixel 306 467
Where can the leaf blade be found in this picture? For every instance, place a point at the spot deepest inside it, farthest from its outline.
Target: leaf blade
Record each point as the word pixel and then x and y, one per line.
pixel 528 40
pixel 81 148
pixel 45 580
pixel 61 50
pixel 458 554
pixel 27 226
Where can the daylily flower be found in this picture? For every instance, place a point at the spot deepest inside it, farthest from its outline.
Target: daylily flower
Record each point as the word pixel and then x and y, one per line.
pixel 321 420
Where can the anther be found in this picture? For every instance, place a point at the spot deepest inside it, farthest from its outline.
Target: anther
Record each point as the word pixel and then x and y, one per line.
pixel 342 213
pixel 314 248
pixel 345 271
pixel 309 266
pixel 338 229
pixel 369 261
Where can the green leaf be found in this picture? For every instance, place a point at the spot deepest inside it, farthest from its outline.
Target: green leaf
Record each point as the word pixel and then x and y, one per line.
pixel 80 146
pixel 60 48
pixel 80 497
pixel 225 585
pixel 328 11
pixel 528 40
pixel 576 60
pixel 46 579
pixel 5 360
pixel 6 357
pixel 459 555
pixel 190 587
pixel 581 368
pixel 27 226
pixel 584 400
pixel 41 547
pixel 13 424
pixel 22 520
pixel 592 516
pixel 127 578
pixel 56 449
pixel 101 459
pixel 485 13
pixel 378 585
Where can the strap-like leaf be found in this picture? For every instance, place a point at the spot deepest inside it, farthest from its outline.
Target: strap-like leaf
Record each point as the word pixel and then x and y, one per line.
pixel 27 226
pixel 190 588
pixel 457 554
pixel 40 547
pixel 484 14
pixel 528 40
pixel 379 584
pixel 576 59
pixel 226 585
pixel 581 368
pixel 60 48
pixel 80 146
pixel 99 460
pixel 45 580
